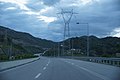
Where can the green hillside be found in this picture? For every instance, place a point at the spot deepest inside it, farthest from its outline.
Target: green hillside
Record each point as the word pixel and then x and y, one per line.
pixel 13 43
pixel 100 47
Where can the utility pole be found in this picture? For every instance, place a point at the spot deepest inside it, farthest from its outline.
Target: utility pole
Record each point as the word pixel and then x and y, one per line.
pixel 5 38
pixel 58 49
pixel 72 47
pixel 66 15
pixel 11 48
pixel 54 50
pixel 6 43
pixel 88 40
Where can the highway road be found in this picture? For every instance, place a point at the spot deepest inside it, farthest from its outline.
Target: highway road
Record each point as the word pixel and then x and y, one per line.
pixel 61 69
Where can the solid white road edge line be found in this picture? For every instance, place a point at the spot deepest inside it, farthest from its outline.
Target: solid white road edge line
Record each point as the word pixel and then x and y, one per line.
pixel 94 73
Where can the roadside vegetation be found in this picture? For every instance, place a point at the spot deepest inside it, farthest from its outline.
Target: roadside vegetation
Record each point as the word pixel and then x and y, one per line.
pixel 4 57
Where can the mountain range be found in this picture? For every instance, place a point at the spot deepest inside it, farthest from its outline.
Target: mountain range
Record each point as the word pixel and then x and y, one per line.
pixel 15 42
pixel 21 42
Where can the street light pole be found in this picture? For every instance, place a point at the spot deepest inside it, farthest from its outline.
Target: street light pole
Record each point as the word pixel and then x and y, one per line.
pixel 72 48
pixel 87 51
pixel 87 39
pixel 54 50
pixel 58 49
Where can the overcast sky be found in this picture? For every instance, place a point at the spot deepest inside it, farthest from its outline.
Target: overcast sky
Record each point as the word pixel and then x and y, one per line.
pixel 39 17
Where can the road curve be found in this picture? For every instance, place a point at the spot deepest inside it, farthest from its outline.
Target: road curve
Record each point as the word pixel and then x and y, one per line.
pixel 61 69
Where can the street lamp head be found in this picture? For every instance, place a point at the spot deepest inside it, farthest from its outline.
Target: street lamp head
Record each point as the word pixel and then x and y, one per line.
pixel 77 23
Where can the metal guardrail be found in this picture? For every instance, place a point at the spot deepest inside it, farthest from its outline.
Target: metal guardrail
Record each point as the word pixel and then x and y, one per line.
pixel 102 60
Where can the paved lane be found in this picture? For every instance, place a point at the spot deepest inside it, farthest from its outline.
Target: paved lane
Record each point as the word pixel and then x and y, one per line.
pixel 62 69
pixel 67 69
pixel 110 72
pixel 25 72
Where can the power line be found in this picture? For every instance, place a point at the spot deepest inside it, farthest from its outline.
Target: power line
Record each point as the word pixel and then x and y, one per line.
pixel 67 16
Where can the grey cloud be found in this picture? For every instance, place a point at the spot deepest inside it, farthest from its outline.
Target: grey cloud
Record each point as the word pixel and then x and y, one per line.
pixel 50 2
pixel 102 17
pixel 35 5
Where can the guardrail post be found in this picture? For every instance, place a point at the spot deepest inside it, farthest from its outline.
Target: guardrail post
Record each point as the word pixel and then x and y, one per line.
pixel 109 61
pixel 95 60
pixel 100 61
pixel 113 63
pixel 118 63
pixel 104 61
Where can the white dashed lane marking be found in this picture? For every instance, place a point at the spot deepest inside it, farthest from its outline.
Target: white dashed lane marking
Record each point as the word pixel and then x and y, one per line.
pixel 92 72
pixel 47 64
pixel 44 68
pixel 37 75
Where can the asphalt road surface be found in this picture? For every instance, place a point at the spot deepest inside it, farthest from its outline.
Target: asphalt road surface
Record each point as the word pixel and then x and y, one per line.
pixel 61 69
